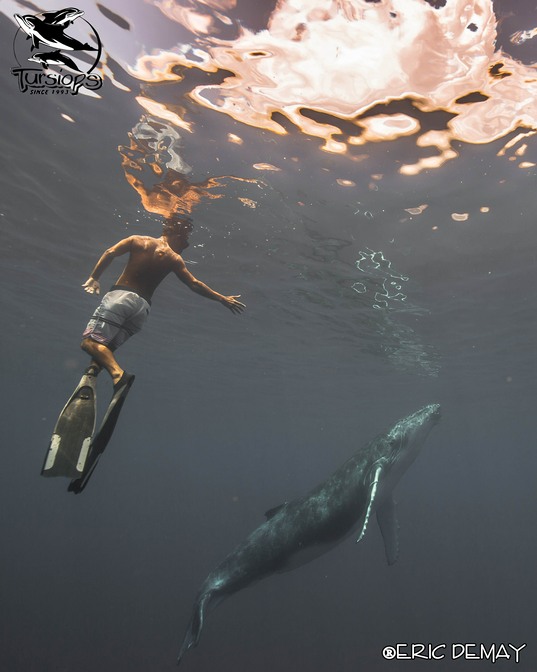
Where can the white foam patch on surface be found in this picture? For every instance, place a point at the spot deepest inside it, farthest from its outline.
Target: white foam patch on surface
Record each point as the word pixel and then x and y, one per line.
pixel 342 58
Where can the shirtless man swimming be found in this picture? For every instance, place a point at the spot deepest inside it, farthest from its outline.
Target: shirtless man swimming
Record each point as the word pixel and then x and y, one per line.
pixel 124 309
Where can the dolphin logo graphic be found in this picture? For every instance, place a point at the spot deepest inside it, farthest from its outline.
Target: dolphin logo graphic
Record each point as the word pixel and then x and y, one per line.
pixel 43 31
pixel 298 531
pixel 62 17
pixel 48 58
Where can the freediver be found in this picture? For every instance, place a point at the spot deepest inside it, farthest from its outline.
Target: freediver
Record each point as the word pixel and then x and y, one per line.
pixel 124 309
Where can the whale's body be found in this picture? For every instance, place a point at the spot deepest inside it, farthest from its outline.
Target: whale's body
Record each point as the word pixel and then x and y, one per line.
pixel 298 531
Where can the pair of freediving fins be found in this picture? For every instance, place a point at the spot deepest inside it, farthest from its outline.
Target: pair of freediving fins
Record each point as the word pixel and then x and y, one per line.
pixel 75 448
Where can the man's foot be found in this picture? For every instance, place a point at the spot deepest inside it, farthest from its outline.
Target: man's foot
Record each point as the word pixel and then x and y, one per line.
pixel 125 379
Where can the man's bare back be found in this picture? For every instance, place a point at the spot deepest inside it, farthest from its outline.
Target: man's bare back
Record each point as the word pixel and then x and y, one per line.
pixel 150 261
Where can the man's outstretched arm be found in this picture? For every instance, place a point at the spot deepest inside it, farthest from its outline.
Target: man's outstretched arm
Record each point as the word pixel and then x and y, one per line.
pixel 92 285
pixel 202 289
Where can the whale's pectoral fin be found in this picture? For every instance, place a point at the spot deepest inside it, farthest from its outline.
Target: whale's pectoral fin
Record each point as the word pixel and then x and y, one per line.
pixel 389 528
pixel 272 512
pixel 371 499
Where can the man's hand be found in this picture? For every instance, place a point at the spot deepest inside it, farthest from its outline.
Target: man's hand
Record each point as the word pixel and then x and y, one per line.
pixel 232 303
pixel 92 286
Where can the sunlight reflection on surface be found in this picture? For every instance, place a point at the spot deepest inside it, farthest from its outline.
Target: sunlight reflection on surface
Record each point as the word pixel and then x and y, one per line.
pixel 343 58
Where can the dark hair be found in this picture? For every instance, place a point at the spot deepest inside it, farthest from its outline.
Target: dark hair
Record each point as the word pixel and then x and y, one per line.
pixel 176 224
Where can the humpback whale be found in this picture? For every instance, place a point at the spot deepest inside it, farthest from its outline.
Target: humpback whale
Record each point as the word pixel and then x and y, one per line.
pixel 297 531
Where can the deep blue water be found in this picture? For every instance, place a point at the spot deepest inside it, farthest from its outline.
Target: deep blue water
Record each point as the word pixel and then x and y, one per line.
pixel 231 415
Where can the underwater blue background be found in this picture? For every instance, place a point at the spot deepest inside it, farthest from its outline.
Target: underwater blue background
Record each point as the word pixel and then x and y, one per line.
pixel 232 415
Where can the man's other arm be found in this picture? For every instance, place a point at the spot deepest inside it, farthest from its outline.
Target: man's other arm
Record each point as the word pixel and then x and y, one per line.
pixel 92 285
pixel 202 289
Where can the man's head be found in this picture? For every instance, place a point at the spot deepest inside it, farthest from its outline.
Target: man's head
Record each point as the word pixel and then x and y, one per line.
pixel 177 229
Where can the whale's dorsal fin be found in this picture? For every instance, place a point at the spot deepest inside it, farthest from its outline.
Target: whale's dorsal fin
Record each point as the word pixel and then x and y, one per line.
pixel 389 528
pixel 272 512
pixel 371 499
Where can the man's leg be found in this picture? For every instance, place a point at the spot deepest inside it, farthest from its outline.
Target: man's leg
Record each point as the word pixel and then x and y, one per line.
pixel 103 357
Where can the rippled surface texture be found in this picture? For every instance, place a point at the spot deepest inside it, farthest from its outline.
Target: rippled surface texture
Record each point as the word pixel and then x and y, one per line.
pixel 363 174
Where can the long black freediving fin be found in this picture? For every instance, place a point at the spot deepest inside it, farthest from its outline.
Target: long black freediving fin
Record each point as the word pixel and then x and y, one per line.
pixel 103 436
pixel 71 439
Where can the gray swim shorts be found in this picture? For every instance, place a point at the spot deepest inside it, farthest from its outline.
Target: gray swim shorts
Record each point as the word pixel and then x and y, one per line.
pixel 120 315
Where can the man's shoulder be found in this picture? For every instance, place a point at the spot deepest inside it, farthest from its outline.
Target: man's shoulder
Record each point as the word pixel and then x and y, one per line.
pixel 142 241
pixel 140 237
pixel 175 257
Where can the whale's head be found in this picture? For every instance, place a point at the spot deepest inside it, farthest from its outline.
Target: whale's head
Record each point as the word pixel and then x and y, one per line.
pixel 406 438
